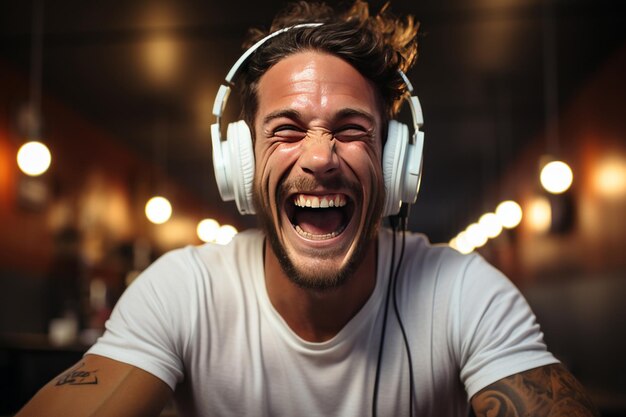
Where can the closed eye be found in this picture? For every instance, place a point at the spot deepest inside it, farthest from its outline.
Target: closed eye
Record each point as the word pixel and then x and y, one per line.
pixel 289 132
pixel 352 132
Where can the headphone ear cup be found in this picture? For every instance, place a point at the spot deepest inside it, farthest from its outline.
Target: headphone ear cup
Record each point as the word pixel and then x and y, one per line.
pixel 394 166
pixel 241 155
pixel 221 164
pixel 413 168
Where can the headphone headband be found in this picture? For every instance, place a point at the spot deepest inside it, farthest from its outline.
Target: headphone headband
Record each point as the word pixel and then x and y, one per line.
pixel 224 90
pixel 243 58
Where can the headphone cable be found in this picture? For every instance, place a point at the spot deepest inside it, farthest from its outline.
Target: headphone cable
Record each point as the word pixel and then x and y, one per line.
pixel 397 312
pixel 401 220
pixel 384 325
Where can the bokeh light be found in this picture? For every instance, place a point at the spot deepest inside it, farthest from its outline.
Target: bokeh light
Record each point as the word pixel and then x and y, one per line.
pixel 34 158
pixel 207 230
pixel 476 235
pixel 225 234
pixel 158 210
pixel 539 215
pixel 462 243
pixel 556 177
pixel 610 176
pixel 509 214
pixel 490 224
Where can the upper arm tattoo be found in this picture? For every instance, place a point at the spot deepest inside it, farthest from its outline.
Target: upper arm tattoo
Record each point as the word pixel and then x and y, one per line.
pixel 548 391
pixel 78 376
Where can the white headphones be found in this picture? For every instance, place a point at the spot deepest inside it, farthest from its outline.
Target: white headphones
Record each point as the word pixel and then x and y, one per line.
pixel 233 158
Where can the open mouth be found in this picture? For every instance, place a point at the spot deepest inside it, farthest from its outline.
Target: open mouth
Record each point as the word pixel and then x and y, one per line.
pixel 319 217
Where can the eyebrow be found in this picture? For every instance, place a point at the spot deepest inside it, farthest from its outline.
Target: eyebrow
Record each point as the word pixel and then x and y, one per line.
pixel 341 114
pixel 287 113
pixel 349 112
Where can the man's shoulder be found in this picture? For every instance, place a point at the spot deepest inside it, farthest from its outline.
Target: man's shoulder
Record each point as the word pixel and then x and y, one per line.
pixel 436 264
pixel 193 262
pixel 420 249
pixel 244 244
pixel 242 257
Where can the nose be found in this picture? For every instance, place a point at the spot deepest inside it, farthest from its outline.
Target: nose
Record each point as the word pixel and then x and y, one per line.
pixel 319 157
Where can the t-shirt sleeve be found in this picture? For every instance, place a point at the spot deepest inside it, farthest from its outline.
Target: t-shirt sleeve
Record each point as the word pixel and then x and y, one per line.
pixel 498 333
pixel 150 325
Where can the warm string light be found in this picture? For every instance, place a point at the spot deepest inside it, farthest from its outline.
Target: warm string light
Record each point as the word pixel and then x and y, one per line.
pixel 491 225
pixel 159 210
pixel 508 215
pixel 225 234
pixel 210 231
pixel 207 230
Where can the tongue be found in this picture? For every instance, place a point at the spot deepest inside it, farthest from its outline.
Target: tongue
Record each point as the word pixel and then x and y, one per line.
pixel 319 221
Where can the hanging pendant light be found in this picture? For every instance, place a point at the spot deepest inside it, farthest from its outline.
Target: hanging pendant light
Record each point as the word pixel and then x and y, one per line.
pixel 158 208
pixel 556 177
pixel 34 157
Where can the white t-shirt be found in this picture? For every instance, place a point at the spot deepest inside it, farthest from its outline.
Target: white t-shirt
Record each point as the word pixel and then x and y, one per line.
pixel 200 319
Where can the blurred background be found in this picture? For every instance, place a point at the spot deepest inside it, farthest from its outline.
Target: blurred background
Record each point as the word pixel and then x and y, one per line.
pixel 524 102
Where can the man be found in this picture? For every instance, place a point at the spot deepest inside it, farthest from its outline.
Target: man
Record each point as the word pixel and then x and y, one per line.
pixel 294 320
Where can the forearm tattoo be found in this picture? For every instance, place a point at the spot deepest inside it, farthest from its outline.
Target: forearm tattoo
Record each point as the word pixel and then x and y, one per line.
pixel 548 391
pixel 78 376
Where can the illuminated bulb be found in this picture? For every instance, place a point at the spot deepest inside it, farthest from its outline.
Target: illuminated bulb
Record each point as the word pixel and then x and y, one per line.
pixel 207 230
pixel 462 243
pixel 490 224
pixel 34 158
pixel 476 235
pixel 158 210
pixel 556 177
pixel 453 244
pixel 509 214
pixel 539 214
pixel 225 234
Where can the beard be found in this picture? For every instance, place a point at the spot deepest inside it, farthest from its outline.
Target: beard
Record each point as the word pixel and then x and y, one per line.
pixel 318 279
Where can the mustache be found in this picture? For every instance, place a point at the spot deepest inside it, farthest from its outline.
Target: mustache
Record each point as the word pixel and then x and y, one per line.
pixel 307 184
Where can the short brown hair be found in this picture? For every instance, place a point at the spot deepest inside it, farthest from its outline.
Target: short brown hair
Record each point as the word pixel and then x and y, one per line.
pixel 377 46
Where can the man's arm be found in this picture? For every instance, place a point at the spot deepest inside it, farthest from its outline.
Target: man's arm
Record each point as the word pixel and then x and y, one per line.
pixel 100 387
pixel 546 391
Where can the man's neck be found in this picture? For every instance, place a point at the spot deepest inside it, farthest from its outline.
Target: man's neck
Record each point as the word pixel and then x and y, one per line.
pixel 318 315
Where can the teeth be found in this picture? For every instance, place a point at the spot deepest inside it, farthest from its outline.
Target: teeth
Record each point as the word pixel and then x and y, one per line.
pixel 338 200
pixel 317 237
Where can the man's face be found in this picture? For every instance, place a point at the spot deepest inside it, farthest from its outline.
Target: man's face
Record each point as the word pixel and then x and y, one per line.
pixel 318 184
